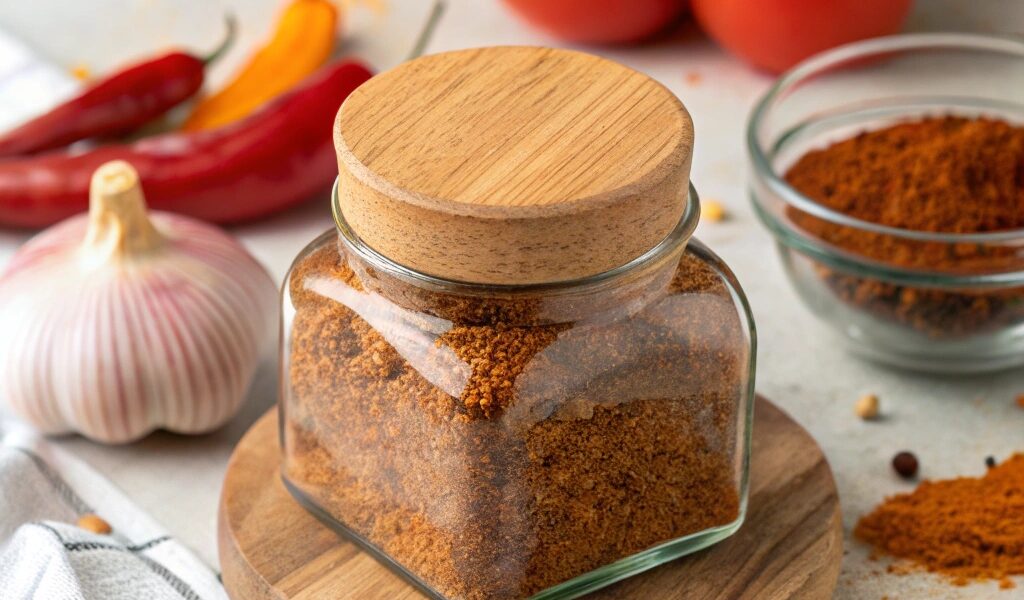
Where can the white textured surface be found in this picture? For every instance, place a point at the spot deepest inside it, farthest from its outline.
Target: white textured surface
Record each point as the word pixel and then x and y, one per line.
pixel 952 424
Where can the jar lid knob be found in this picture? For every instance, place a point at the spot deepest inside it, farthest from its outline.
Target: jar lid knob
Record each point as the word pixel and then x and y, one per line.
pixel 512 165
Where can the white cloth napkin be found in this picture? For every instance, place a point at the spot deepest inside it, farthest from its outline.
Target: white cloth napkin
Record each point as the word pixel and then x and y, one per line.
pixel 44 556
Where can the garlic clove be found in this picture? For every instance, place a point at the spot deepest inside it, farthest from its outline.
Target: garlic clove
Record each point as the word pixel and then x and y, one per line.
pixel 120 322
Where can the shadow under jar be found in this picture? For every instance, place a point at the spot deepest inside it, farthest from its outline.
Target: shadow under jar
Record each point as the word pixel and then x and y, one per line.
pixel 931 300
pixel 510 372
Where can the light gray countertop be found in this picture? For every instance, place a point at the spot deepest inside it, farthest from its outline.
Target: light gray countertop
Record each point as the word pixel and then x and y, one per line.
pixel 952 424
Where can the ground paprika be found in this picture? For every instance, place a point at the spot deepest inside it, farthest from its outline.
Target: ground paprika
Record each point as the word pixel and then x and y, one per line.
pixel 942 175
pixel 966 528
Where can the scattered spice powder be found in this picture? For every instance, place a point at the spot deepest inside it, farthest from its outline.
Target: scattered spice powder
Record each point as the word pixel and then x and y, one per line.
pixel 494 453
pixel 944 174
pixel 81 72
pixel 966 528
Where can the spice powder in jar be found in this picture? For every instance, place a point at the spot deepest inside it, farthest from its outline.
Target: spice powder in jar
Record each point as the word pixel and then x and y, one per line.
pixel 510 367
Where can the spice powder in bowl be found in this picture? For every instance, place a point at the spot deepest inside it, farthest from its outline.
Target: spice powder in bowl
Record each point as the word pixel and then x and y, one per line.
pixel 943 175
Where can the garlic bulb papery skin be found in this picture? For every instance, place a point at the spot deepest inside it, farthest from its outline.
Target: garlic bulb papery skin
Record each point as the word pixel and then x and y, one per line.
pixel 116 323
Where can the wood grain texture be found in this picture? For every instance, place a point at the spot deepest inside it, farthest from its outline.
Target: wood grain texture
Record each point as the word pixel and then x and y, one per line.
pixel 789 547
pixel 513 164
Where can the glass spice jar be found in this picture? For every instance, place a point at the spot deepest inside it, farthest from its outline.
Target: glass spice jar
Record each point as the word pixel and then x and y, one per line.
pixel 510 372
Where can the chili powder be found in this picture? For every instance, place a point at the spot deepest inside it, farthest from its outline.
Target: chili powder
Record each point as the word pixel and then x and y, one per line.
pixel 965 528
pixel 944 175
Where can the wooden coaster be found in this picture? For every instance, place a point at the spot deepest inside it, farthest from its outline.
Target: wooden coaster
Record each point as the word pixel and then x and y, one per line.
pixel 789 547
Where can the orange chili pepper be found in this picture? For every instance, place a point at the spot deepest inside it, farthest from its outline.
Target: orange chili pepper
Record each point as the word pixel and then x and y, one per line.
pixel 303 41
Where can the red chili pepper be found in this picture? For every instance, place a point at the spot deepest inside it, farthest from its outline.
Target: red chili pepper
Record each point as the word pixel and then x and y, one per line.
pixel 117 104
pixel 271 160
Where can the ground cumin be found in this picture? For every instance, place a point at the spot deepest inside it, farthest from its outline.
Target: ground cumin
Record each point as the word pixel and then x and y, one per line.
pixel 945 174
pixel 966 528
pixel 495 447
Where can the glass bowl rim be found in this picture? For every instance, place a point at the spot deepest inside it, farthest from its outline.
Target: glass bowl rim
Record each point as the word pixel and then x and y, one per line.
pixel 764 171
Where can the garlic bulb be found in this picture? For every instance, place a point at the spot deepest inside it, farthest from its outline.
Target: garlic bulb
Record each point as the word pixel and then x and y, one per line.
pixel 116 323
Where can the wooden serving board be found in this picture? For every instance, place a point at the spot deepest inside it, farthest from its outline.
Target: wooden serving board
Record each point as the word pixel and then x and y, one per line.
pixel 789 547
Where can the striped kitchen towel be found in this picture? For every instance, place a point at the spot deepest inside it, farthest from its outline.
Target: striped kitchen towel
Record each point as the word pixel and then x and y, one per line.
pixel 45 556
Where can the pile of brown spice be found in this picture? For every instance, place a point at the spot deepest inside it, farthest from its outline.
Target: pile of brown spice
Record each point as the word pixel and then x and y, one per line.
pixel 495 447
pixel 965 528
pixel 944 174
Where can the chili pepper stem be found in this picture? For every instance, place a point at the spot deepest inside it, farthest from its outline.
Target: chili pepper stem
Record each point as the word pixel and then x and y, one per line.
pixel 436 11
pixel 118 224
pixel 226 43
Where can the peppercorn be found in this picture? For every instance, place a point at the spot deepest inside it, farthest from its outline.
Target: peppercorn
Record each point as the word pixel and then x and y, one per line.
pixel 94 523
pixel 990 462
pixel 905 464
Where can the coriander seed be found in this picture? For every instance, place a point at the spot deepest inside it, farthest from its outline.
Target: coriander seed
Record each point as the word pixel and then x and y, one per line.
pixel 867 407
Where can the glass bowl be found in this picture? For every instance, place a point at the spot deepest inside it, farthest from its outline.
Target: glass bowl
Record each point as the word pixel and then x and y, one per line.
pixel 953 302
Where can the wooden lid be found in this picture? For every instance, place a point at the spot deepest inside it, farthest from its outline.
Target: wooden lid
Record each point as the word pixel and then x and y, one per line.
pixel 512 165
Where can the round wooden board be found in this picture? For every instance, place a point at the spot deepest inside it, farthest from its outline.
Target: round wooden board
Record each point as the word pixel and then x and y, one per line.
pixel 789 547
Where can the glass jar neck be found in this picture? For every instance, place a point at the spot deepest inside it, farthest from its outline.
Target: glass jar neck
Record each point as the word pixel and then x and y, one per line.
pixel 622 289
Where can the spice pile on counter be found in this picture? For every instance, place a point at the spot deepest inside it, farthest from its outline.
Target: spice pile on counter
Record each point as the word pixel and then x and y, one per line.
pixel 946 175
pixel 966 528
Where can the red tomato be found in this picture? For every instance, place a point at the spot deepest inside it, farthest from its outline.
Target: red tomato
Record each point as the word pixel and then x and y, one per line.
pixel 777 34
pixel 599 21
